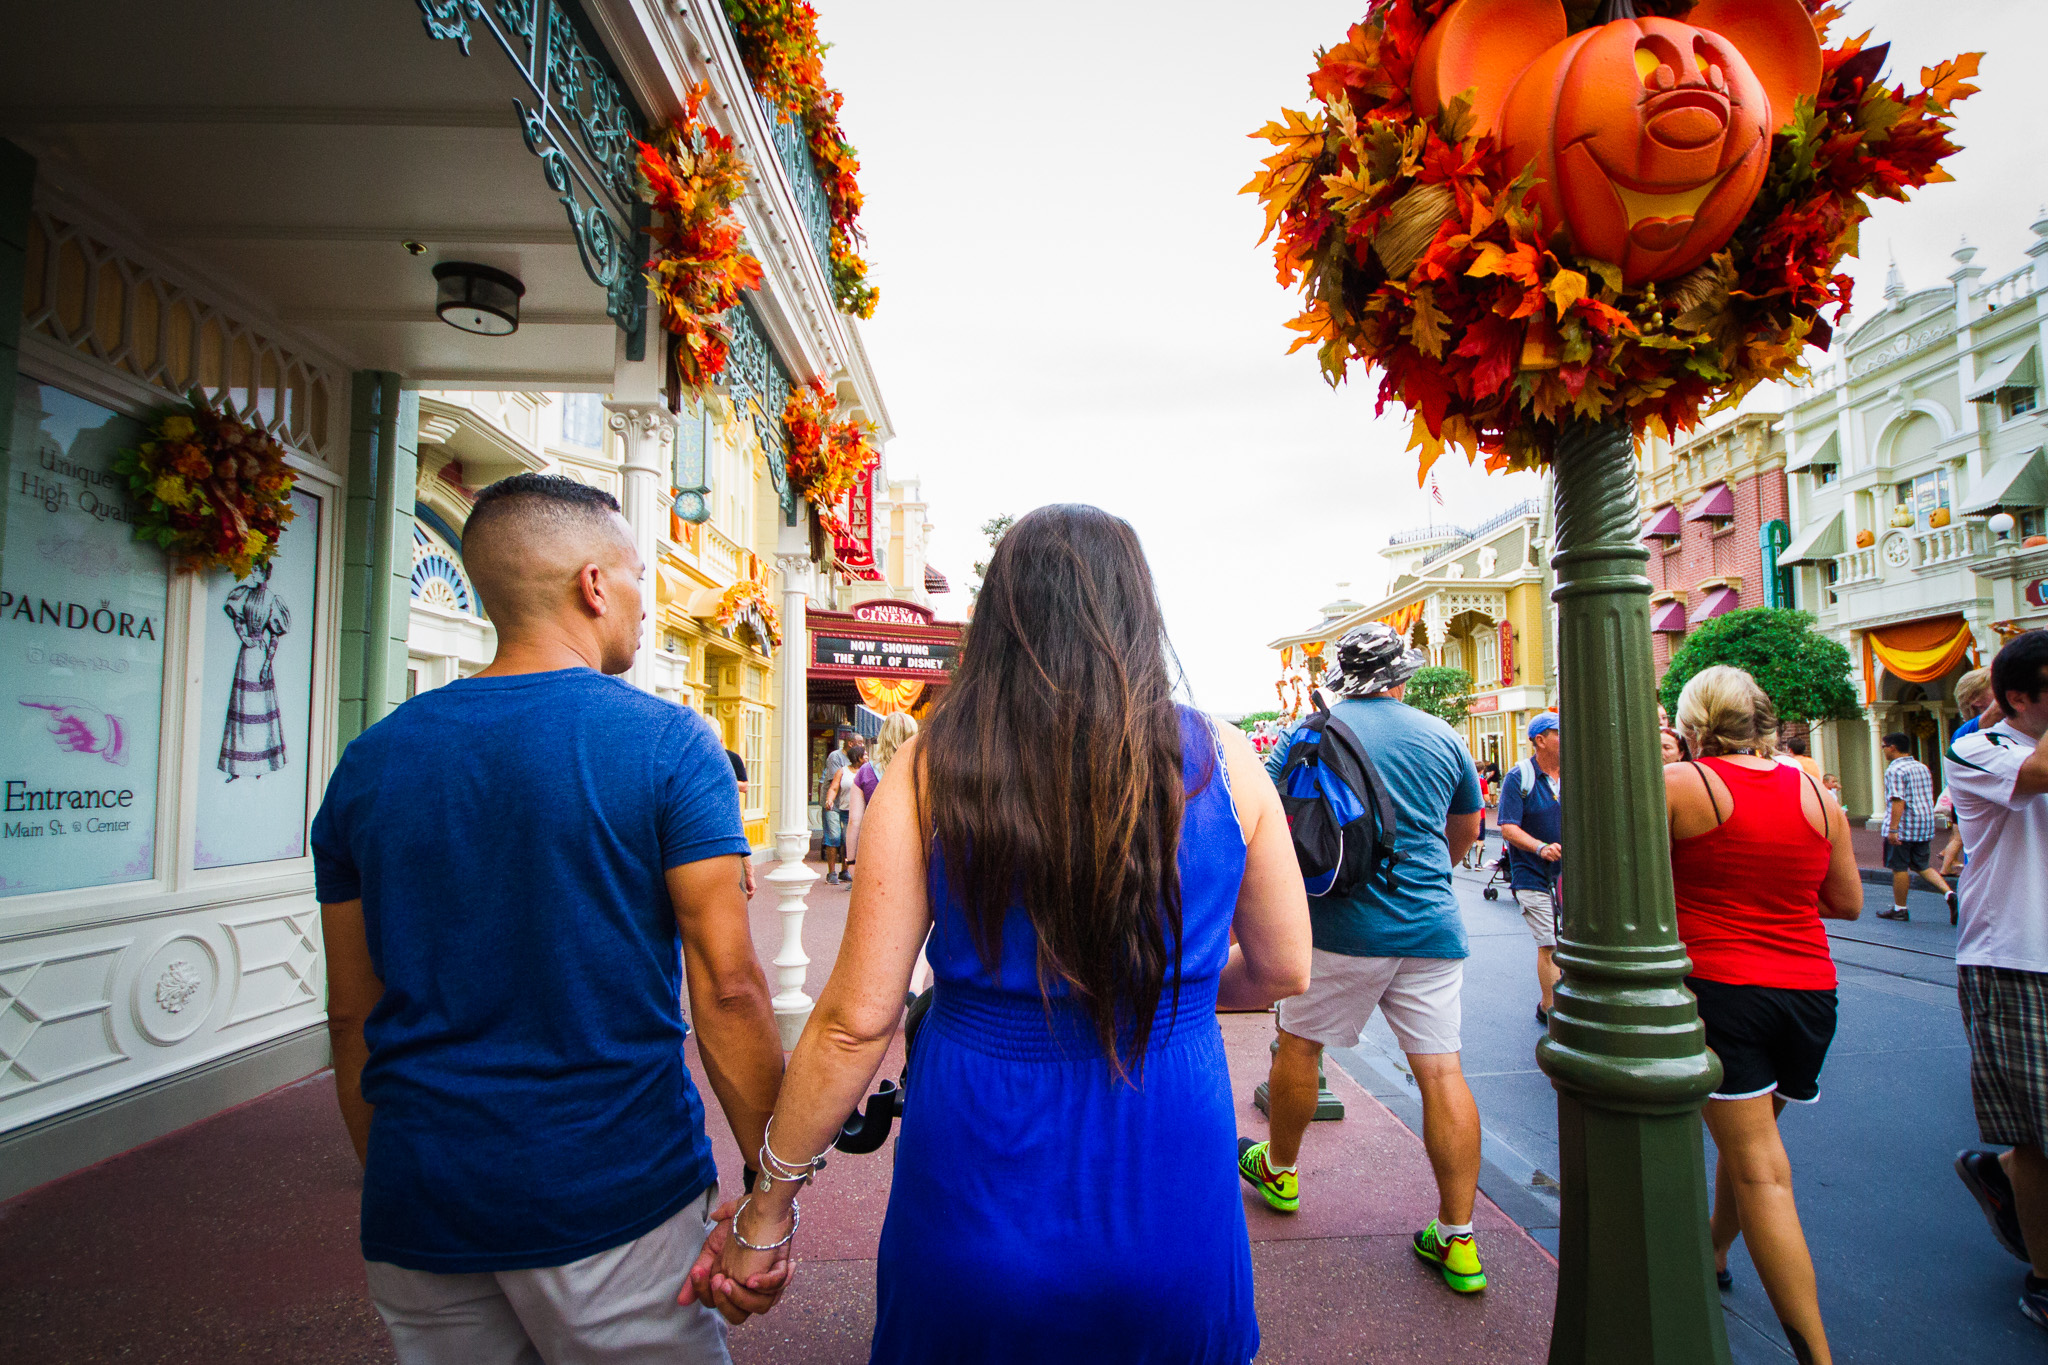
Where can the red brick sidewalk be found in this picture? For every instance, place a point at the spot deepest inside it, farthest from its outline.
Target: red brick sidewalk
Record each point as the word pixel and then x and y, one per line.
pixel 235 1240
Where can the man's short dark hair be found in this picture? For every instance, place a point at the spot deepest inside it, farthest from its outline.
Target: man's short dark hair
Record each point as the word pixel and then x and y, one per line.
pixel 1797 745
pixel 1900 740
pixel 557 491
pixel 2017 668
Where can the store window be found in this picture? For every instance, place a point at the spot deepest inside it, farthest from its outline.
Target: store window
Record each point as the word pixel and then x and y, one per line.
pixel 1487 670
pixel 582 420
pixel 1454 654
pixel 258 688
pixel 752 749
pixel 2019 402
pixel 83 607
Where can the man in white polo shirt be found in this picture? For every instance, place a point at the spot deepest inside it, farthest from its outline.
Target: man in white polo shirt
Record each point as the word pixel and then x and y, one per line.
pixel 1999 779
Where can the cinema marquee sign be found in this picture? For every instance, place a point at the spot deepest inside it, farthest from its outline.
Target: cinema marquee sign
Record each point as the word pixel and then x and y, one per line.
pixel 882 640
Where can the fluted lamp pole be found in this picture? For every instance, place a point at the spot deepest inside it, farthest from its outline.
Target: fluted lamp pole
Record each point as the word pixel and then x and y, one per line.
pixel 1625 1049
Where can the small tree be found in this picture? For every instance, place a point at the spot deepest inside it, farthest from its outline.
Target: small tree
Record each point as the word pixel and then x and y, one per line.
pixel 1445 693
pixel 1247 723
pixel 993 528
pixel 1803 672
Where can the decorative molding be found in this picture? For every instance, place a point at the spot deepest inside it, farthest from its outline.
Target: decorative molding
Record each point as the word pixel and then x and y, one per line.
pixel 56 1018
pixel 1901 346
pixel 85 294
pixel 580 123
pixel 174 990
pixel 279 957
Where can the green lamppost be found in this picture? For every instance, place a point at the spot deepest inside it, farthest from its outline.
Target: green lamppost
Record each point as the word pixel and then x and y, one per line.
pixel 1625 1050
pixel 1470 215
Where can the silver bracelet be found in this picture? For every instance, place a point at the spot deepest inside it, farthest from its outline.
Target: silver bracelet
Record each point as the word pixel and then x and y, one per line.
pixel 787 1172
pixel 795 1217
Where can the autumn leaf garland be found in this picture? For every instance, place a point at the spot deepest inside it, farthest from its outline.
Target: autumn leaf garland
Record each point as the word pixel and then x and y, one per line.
pixel 214 492
pixel 785 59
pixel 827 454
pixel 1419 256
pixel 691 175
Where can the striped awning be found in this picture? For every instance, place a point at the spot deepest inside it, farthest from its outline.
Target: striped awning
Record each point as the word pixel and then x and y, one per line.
pixel 1817 544
pixel 1718 501
pixel 1669 617
pixel 934 581
pixel 1662 522
pixel 1719 602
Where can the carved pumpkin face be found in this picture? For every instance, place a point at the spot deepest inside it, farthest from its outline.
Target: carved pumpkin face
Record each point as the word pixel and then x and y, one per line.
pixel 1649 137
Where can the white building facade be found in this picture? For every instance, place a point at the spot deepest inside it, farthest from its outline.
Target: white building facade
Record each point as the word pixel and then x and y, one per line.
pixel 1916 477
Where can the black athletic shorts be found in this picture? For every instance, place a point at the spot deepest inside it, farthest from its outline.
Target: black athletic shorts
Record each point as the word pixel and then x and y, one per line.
pixel 1768 1038
pixel 1907 857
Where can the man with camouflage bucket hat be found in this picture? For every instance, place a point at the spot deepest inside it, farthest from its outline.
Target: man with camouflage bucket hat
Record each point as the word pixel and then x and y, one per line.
pixel 1395 944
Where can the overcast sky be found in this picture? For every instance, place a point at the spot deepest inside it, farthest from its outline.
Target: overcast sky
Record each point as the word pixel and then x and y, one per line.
pixel 1074 307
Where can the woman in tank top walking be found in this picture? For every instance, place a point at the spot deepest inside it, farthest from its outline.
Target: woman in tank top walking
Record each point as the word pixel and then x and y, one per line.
pixel 1760 854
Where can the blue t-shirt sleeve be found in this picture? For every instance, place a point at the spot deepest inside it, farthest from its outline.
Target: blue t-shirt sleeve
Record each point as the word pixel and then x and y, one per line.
pixel 700 801
pixel 1511 797
pixel 1466 799
pixel 1276 757
pixel 335 876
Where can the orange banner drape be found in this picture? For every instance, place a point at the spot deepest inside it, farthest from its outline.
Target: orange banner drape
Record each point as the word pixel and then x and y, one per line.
pixel 1404 620
pixel 887 696
pixel 1921 651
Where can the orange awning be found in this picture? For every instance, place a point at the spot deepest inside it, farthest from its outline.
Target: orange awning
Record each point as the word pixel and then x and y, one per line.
pixel 1404 619
pixel 1921 651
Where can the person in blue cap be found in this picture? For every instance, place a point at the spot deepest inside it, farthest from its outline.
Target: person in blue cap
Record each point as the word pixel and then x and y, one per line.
pixel 1531 823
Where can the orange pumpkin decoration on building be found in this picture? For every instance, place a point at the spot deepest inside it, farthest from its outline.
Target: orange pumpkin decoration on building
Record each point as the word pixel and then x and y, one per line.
pixel 1650 137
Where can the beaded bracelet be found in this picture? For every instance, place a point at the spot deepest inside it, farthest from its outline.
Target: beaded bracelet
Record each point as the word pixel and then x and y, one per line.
pixel 795 1217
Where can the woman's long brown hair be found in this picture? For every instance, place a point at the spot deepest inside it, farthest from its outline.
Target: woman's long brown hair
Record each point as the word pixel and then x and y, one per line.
pixel 1052 769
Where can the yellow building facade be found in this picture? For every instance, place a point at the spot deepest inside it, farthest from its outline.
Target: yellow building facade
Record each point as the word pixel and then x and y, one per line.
pixel 1476 600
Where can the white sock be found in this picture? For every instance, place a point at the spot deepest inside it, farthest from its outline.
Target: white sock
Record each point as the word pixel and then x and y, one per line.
pixel 1267 1157
pixel 1899 907
pixel 1449 1230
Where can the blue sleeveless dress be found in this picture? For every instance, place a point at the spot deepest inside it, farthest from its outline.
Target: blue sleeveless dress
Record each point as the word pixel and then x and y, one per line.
pixel 1042 1210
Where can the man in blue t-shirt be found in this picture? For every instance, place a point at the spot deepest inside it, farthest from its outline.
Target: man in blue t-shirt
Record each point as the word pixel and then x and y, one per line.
pixel 518 874
pixel 1395 945
pixel 1531 824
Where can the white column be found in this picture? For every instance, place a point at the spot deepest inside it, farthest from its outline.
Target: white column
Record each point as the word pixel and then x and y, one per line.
pixel 791 878
pixel 645 431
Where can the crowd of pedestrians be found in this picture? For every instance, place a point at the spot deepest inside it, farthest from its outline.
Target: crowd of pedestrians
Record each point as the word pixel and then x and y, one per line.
pixel 506 1006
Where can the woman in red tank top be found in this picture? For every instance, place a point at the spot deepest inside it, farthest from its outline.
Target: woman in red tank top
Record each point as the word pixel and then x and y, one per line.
pixel 1760 854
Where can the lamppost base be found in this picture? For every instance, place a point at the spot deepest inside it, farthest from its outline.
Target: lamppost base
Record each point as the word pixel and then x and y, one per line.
pixel 791 881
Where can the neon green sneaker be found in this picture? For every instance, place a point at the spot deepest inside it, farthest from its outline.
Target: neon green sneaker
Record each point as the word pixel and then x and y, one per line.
pixel 1457 1258
pixel 1281 1189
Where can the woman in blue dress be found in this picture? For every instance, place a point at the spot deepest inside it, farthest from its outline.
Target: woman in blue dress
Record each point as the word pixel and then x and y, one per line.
pixel 1079 849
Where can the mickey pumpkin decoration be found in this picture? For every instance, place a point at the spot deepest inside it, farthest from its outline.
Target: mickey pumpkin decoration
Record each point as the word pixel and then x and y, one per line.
pixel 1649 136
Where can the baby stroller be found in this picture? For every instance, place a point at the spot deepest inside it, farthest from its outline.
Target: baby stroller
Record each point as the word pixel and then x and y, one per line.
pixel 1498 876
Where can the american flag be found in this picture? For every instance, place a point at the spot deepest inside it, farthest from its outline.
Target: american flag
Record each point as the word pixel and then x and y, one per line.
pixel 1436 492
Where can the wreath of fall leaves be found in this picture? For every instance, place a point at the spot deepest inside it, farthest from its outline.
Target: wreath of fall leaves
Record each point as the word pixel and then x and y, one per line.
pixel 745 593
pixel 785 59
pixel 1419 256
pixel 827 454
pixel 216 492
pixel 691 175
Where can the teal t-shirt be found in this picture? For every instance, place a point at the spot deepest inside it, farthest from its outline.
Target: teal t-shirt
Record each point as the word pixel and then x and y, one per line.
pixel 1430 778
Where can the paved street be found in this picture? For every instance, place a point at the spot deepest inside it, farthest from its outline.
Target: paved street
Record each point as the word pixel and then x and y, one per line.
pixel 1908 1271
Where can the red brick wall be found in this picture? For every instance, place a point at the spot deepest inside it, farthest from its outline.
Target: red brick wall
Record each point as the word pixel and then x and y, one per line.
pixel 1700 552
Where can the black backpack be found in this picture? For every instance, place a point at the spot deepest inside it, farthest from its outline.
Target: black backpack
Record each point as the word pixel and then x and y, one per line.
pixel 1337 805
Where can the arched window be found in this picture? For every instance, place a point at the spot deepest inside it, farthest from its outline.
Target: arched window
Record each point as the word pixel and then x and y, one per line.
pixel 437 576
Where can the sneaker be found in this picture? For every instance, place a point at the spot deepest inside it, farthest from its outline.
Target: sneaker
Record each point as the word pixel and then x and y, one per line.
pixel 2034 1300
pixel 1281 1189
pixel 1543 1016
pixel 1955 908
pixel 1725 1279
pixel 1457 1258
pixel 1983 1175
pixel 1897 912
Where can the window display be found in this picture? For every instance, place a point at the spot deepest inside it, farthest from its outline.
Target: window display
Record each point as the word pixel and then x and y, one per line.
pixel 259 691
pixel 82 607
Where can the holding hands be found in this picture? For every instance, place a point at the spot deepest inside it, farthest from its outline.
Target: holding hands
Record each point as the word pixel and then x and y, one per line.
pixel 731 1277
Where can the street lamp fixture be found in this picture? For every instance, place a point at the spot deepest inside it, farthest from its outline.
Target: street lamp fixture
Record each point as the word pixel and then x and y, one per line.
pixel 2001 524
pixel 477 298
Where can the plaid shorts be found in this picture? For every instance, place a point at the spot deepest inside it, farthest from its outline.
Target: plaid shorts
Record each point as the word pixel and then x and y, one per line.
pixel 2005 1014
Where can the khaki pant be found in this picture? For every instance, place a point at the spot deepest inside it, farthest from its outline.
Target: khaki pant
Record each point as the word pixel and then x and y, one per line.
pixel 617 1307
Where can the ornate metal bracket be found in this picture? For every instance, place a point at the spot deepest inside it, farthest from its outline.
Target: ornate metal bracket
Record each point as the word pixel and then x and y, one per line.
pixel 581 125
pixel 760 387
